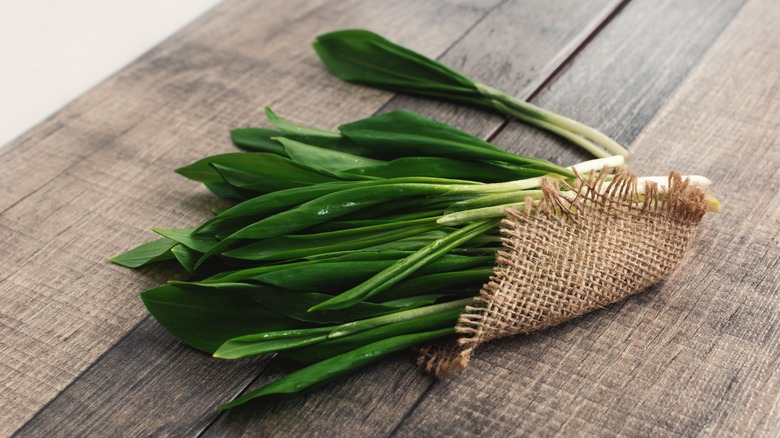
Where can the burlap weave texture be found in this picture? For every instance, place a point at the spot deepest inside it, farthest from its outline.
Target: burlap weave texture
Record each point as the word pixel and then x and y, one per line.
pixel 575 251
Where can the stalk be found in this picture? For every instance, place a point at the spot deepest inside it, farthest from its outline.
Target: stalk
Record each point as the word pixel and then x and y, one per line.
pixel 614 161
pixel 559 130
pixel 545 119
pixel 366 324
pixel 497 211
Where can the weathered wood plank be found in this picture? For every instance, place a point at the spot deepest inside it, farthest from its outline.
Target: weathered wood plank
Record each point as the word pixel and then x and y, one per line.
pixel 136 373
pixel 624 77
pixel 87 183
pixel 113 415
pixel 698 354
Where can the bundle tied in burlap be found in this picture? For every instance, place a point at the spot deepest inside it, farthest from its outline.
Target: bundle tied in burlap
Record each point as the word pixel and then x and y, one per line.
pixel 574 251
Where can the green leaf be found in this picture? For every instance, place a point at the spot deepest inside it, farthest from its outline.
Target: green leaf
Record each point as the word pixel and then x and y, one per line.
pixel 185 236
pixel 187 257
pixel 257 171
pixel 305 245
pixel 449 280
pixel 300 132
pixel 254 209
pixel 205 318
pixel 314 136
pixel 332 347
pixel 329 369
pixel 363 57
pixel 402 133
pixel 149 252
pixel 330 160
pixel 405 267
pixel 253 345
pixel 295 304
pixel 257 140
pixel 441 167
pixel 327 277
pixel 352 257
pixel 402 129
pixel 226 191
pixel 331 206
pixel 324 209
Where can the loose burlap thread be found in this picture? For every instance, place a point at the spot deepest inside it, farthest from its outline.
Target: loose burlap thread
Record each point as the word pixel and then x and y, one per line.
pixel 574 251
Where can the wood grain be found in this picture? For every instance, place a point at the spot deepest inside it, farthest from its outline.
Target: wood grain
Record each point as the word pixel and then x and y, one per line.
pixel 178 63
pixel 698 354
pixel 137 373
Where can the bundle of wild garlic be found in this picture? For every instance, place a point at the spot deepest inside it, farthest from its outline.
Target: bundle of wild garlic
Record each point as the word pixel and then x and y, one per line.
pixel 349 245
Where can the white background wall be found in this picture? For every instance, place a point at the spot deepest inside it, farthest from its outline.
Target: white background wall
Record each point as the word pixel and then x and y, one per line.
pixel 51 51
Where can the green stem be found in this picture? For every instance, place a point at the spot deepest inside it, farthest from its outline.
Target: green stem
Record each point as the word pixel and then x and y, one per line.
pixel 491 200
pixel 596 165
pixel 406 315
pixel 545 119
pixel 573 137
pixel 478 214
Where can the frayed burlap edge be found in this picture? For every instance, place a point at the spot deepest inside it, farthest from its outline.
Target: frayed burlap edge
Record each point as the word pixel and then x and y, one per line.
pixel 574 251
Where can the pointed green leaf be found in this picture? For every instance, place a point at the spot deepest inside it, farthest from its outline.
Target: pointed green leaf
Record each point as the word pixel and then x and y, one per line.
pixel 402 133
pixel 185 236
pixel 314 136
pixel 247 346
pixel 363 57
pixel 330 160
pixel 295 304
pixel 154 251
pixel 257 140
pixel 405 267
pixel 255 170
pixel 205 318
pixel 305 245
pixel 299 132
pixel 441 167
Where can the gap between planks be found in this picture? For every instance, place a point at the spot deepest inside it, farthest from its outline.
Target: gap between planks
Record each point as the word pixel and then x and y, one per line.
pixel 84 372
pixel 546 76
pixel 564 57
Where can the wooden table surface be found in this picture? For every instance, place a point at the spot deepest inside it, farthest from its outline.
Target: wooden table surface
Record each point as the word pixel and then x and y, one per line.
pixel 687 85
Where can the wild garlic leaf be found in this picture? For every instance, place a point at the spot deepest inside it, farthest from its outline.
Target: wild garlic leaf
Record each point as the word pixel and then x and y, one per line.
pixel 149 252
pixel 327 159
pixel 187 257
pixel 185 236
pixel 332 140
pixel 441 167
pixel 363 57
pixel 257 140
pixel 304 245
pixel 256 170
pixel 205 319
pixel 402 133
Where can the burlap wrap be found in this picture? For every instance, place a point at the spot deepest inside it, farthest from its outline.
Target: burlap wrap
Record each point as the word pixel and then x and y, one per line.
pixel 575 251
